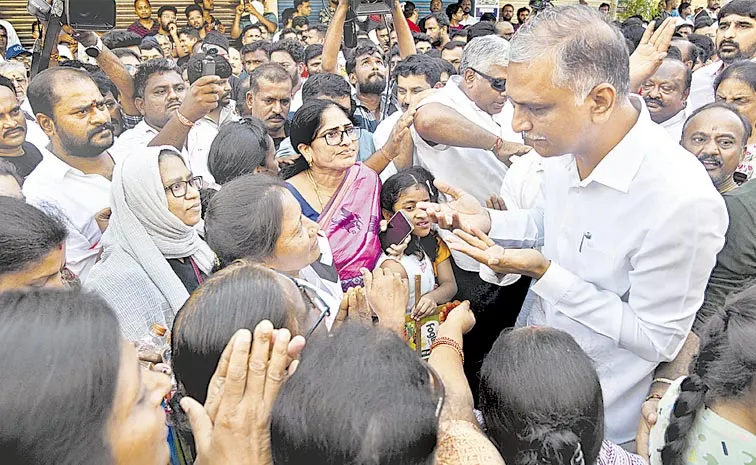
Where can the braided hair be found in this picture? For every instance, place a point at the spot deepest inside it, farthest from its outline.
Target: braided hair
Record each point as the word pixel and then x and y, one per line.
pixel 724 368
pixel 394 187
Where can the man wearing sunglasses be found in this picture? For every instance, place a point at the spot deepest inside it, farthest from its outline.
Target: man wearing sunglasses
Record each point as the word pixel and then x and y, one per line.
pixel 464 136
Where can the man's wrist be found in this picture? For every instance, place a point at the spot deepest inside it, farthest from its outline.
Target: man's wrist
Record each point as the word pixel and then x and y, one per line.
pixel 542 268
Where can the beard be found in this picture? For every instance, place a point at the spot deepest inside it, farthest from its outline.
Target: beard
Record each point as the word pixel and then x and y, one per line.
pixel 734 52
pixel 375 85
pixel 88 149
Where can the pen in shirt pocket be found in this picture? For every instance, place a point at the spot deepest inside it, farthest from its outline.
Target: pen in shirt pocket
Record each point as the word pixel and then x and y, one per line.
pixel 586 235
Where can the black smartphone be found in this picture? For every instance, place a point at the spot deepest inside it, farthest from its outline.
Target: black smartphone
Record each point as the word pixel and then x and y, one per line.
pixel 399 227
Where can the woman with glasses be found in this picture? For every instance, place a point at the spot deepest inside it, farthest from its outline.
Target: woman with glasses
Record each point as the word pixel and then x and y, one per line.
pixel 333 189
pixel 153 257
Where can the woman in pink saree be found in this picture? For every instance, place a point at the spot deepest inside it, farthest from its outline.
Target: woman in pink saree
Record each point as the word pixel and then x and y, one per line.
pixel 340 194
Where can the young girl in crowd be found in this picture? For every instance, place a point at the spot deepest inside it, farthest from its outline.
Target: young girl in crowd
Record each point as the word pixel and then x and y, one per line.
pixel 426 255
pixel 709 417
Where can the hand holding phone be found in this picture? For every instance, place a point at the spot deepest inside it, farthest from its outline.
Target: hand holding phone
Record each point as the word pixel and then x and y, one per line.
pixel 398 229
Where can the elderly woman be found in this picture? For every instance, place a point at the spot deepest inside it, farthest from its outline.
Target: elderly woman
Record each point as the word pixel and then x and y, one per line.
pixel 335 191
pixel 737 85
pixel 153 256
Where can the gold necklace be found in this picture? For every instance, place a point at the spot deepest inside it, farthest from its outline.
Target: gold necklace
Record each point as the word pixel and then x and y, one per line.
pixel 315 186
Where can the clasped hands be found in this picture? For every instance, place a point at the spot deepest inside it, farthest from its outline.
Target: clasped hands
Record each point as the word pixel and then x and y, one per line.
pixel 469 221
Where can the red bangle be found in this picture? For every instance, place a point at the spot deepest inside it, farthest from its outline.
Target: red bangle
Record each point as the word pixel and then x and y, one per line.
pixel 447 341
pixel 497 145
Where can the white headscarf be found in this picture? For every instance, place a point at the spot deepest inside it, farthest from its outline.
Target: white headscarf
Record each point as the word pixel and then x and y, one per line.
pixel 143 227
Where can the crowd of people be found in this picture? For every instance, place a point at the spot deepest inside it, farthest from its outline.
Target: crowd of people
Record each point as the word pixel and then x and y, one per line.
pixel 203 260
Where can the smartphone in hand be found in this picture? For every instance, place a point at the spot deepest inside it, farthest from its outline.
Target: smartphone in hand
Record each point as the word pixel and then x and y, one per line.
pixel 399 227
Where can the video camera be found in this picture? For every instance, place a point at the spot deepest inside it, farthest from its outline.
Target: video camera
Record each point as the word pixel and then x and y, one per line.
pixel 82 15
pixel 371 7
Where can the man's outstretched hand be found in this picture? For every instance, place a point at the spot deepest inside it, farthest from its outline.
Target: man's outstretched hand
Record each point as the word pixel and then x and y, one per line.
pixel 461 210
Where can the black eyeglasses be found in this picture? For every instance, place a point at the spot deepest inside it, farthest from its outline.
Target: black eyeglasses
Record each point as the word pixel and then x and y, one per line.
pixel 336 137
pixel 179 189
pixel 313 300
pixel 497 84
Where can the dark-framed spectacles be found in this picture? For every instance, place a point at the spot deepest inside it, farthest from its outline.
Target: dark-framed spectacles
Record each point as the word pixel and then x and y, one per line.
pixel 497 84
pixel 179 188
pixel 313 301
pixel 336 137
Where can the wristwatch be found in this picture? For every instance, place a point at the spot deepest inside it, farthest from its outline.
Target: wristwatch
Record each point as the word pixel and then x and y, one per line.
pixel 94 50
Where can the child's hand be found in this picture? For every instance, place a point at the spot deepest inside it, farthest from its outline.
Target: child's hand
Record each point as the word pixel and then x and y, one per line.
pixel 395 250
pixel 425 307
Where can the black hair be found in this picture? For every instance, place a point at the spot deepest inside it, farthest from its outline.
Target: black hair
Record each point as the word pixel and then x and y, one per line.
pixel 308 119
pixel 5 82
pixel 290 46
pixel 633 33
pixel 452 45
pixel 419 65
pixel 272 72
pixel 189 31
pixel 433 53
pixel 458 33
pixel 452 9
pixel 372 427
pixel 522 10
pixel 150 43
pixel 148 69
pixel 362 49
pixel 285 31
pixel 440 18
pixel 678 28
pixel 249 27
pixel 704 45
pixel 61 356
pixel 194 66
pixel 222 305
pixel 409 9
pixel 90 68
pixel 297 3
pixel 312 51
pixel 744 71
pixel 243 219
pixel 393 189
pixel 325 85
pixel 165 8
pixel 137 1
pixel 421 37
pixel 263 45
pixel 239 148
pixel 43 91
pixel 745 8
pixel 674 53
pixel 119 39
pixel 747 126
pixel 191 8
pixel 286 15
pixel 488 16
pixel 217 39
pixel 480 29
pixel 126 52
pixel 445 66
pixel 105 84
pixel 562 409
pixel 703 21
pixel 600 6
pixel 321 28
pixel 9 169
pixel 724 369
pixel 299 21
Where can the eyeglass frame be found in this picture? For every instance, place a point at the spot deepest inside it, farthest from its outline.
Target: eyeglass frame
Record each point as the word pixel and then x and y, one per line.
pixel 186 184
pixel 343 133
pixel 319 304
pixel 491 80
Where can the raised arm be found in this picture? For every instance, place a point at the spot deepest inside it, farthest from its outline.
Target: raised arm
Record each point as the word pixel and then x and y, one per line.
pixel 332 43
pixel 403 34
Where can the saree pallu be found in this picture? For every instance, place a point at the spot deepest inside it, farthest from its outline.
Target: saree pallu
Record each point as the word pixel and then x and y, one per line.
pixel 351 221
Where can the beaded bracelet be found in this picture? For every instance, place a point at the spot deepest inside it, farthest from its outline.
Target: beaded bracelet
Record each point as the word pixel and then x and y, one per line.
pixel 451 343
pixel 184 120
pixel 663 380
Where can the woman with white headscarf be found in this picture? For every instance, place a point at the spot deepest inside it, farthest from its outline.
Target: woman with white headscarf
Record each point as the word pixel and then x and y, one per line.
pixel 153 257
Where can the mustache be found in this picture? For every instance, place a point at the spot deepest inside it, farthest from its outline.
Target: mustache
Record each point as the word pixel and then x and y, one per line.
pixel 9 131
pixel 102 128
pixel 657 101
pixel 729 42
pixel 276 115
pixel 710 159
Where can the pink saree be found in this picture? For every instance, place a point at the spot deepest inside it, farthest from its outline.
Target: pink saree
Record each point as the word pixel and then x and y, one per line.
pixel 351 220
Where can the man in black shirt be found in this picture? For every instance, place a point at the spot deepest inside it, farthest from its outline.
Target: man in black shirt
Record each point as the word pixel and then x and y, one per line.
pixel 13 146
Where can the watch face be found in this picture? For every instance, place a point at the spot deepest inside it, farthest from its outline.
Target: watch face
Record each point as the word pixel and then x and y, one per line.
pixel 92 51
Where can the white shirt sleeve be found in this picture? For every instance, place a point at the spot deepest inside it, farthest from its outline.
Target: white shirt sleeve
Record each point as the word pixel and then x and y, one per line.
pixel 667 282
